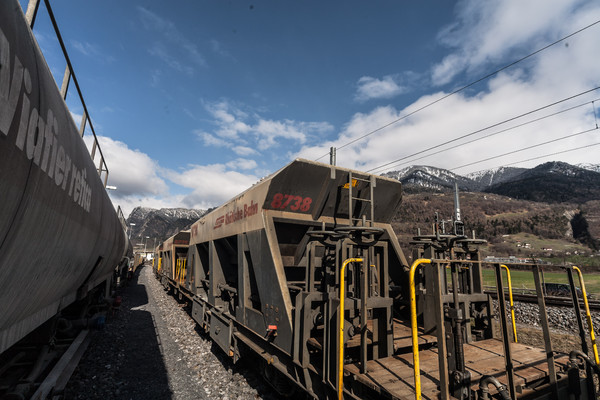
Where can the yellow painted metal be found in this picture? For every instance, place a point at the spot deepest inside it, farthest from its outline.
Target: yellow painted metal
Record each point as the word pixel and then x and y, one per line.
pixel 413 324
pixel 588 315
pixel 512 305
pixel 183 270
pixel 341 348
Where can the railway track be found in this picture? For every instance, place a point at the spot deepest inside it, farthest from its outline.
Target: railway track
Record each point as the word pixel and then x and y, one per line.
pixel 559 301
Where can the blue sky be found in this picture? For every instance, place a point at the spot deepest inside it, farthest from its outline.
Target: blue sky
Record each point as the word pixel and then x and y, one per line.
pixel 194 101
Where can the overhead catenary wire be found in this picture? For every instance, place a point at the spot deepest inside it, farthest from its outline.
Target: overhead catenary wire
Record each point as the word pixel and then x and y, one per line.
pixel 462 88
pixel 542 156
pixel 491 134
pixel 526 148
pixel 382 166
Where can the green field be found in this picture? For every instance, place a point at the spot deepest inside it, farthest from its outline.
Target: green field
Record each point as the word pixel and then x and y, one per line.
pixel 524 280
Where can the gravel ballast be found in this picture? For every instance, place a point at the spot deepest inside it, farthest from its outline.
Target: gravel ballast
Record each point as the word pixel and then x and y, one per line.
pixel 150 349
pixel 559 318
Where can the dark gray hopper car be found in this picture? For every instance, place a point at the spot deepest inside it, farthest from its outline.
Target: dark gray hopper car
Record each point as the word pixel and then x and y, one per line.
pixel 263 273
pixel 59 232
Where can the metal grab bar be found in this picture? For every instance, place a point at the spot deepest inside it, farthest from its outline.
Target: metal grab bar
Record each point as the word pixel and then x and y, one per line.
pixel 512 305
pixel 341 347
pixel 413 324
pixel 588 315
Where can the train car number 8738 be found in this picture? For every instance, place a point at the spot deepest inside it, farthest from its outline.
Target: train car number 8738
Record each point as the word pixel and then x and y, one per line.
pixel 291 202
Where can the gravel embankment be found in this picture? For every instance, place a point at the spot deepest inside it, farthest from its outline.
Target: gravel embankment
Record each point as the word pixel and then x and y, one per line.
pixel 150 349
pixel 559 318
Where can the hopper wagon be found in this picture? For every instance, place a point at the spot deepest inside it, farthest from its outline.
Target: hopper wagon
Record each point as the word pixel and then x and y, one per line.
pixel 304 272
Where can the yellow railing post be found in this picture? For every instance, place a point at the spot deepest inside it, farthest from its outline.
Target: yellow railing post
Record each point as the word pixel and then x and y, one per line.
pixel 413 324
pixel 587 314
pixel 341 348
pixel 512 305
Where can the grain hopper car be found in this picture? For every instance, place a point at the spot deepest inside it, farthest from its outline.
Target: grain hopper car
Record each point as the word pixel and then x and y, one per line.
pixel 304 271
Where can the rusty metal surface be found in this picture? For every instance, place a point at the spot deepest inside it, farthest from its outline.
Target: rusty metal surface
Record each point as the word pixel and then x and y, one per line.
pixel 58 228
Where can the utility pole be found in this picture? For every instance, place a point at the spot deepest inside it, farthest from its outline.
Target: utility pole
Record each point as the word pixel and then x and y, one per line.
pixel 130 229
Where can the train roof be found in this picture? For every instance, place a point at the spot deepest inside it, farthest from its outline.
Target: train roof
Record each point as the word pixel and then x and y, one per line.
pixel 305 189
pixel 181 238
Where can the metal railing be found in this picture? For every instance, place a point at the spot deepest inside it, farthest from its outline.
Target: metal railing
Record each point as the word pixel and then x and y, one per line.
pixel 509 367
pixel 30 16
pixel 341 344
pixel 512 304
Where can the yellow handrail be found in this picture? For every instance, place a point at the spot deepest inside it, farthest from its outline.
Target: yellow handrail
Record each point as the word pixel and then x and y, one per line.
pixel 512 306
pixel 341 348
pixel 588 315
pixel 413 324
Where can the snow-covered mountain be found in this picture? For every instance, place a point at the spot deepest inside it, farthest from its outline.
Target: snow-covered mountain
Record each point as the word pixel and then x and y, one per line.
pixel 549 182
pixel 149 225
pixel 431 178
pixel 495 176
pixel 590 167
pixel 552 182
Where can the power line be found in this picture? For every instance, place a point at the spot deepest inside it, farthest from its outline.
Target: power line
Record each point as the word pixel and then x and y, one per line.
pixel 482 129
pixel 526 148
pixel 490 135
pixel 546 155
pixel 462 88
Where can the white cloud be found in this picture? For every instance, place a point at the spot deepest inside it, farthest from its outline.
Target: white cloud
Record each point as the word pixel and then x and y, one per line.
pixel 129 202
pixel 91 50
pixel 140 180
pixel 443 72
pixel 372 88
pixel 490 32
pixel 172 47
pixel 242 163
pixel 131 171
pixel 244 151
pixel 155 77
pixel 218 48
pixel 246 131
pixel 211 184
pixel 211 140
pixel 159 50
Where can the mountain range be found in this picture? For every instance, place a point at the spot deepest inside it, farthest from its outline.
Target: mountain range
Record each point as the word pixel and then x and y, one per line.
pixel 551 182
pixel 553 200
pixel 149 226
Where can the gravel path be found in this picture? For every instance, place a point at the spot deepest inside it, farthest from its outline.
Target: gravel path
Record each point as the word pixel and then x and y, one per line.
pixel 150 349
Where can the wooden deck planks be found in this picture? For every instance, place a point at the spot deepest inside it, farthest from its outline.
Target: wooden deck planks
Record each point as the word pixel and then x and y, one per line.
pixel 394 375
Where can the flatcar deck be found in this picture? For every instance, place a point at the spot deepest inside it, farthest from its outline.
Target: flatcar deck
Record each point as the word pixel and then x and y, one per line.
pixel 391 377
pixel 403 338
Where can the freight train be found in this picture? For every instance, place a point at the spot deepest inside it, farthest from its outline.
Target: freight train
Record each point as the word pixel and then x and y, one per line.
pixel 61 239
pixel 304 272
